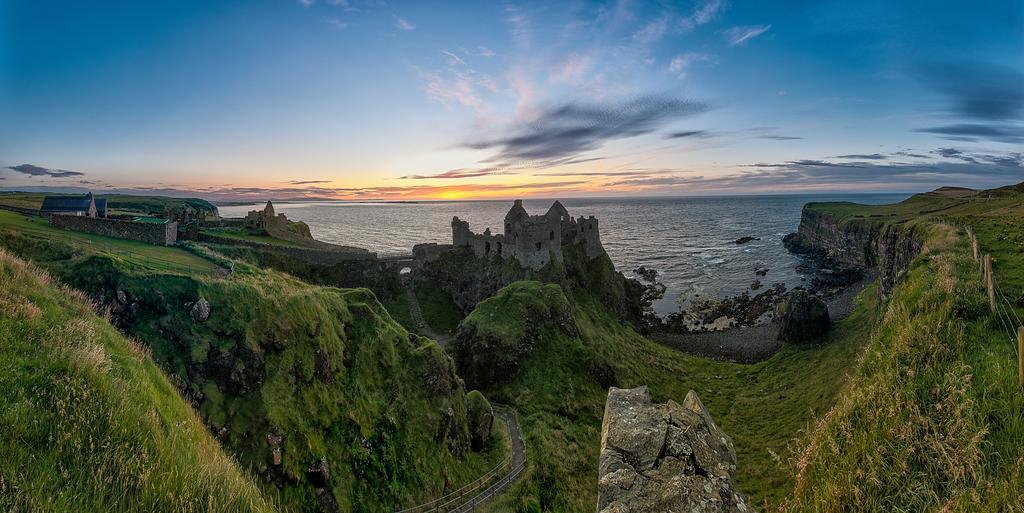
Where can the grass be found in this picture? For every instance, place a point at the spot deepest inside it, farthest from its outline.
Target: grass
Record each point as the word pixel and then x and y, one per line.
pixel 89 423
pixel 139 256
pixel 122 203
pixel 438 309
pixel 325 370
pixel 265 239
pixel 933 417
pixel 560 393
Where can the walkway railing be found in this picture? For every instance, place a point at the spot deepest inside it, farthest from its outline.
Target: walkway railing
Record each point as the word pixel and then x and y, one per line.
pixel 488 485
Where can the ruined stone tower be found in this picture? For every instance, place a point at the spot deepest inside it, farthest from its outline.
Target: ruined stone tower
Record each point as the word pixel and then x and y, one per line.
pixel 532 240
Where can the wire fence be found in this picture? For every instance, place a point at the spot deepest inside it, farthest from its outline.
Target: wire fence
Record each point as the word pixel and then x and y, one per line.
pixel 1010 323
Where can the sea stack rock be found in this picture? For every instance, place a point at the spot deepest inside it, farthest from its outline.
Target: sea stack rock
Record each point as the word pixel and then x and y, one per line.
pixel 664 457
pixel 802 317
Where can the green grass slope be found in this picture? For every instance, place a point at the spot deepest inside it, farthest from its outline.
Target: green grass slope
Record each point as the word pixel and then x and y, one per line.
pixel 561 385
pixel 933 417
pixel 89 423
pixel 306 371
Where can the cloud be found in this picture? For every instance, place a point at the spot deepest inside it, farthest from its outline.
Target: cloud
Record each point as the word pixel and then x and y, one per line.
pixel 778 137
pixel 680 63
pixel 569 129
pixel 979 90
pixel 740 35
pixel 862 156
pixel 634 172
pixel 453 59
pixel 305 3
pixel 337 23
pixel 457 173
pixel 705 12
pixel 911 155
pixel 988 98
pixel 32 170
pixel 652 31
pixel 688 134
pixel 571 69
pixel 402 24
pixel 973 132
pixel 307 182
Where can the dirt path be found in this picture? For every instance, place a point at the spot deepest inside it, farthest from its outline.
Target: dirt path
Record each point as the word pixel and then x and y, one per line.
pixel 751 344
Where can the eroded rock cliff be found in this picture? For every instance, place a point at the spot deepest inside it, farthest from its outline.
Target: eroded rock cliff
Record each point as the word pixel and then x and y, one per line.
pixel 664 457
pixel 857 243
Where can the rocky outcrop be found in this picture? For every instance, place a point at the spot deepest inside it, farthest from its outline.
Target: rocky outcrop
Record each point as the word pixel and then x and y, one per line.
pixel 200 310
pixel 856 243
pixel 481 419
pixel 802 317
pixel 664 457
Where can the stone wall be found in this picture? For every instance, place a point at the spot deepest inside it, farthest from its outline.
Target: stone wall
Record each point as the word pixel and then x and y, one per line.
pixel 165 234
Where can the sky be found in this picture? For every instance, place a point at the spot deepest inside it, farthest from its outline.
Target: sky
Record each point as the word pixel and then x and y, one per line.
pixel 354 99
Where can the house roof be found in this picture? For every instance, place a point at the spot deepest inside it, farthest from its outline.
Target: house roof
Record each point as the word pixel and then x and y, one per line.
pixel 66 203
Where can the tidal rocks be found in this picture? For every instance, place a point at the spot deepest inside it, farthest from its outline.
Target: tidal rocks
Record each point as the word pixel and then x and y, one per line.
pixel 646 274
pixel 746 239
pixel 802 317
pixel 200 310
pixel 664 457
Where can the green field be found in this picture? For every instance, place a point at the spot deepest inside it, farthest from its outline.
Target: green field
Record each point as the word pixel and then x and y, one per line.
pixel 134 255
pixel 116 203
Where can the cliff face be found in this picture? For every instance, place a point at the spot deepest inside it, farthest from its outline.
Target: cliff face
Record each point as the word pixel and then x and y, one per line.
pixel 888 248
pixel 664 457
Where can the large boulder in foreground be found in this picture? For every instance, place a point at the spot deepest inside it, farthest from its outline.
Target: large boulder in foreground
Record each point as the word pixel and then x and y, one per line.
pixel 664 457
pixel 802 317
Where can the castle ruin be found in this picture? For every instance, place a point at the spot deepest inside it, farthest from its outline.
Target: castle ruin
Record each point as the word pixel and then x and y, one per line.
pixel 531 239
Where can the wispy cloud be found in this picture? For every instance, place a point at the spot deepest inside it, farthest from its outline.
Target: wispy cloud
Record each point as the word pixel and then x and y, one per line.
pixel 862 156
pixel 569 129
pixel 571 69
pixel 687 134
pixel 306 182
pixel 705 12
pixel 740 35
pixel 403 24
pixel 680 63
pixel 32 170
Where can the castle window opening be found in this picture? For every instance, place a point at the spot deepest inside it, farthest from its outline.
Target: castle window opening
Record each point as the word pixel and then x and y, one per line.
pixel 499 249
pixel 487 247
pixel 508 228
pixel 405 271
pixel 538 246
pixel 551 236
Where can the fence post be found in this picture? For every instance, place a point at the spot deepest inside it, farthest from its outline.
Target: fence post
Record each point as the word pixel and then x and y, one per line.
pixel 1020 354
pixel 989 283
pixel 974 245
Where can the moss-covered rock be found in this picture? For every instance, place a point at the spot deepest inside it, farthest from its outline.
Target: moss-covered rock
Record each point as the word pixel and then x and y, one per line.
pixel 493 341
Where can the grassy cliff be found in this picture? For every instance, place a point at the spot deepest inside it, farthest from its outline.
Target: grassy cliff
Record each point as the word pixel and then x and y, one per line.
pixel 288 374
pixel 564 372
pixel 933 416
pixel 89 423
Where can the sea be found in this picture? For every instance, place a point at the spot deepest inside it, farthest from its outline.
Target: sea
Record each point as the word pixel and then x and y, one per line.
pixel 689 241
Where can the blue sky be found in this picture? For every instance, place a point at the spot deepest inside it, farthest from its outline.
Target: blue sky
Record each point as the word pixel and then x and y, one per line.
pixel 351 99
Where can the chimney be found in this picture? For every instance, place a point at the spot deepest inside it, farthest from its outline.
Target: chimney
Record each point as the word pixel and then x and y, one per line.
pixel 518 203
